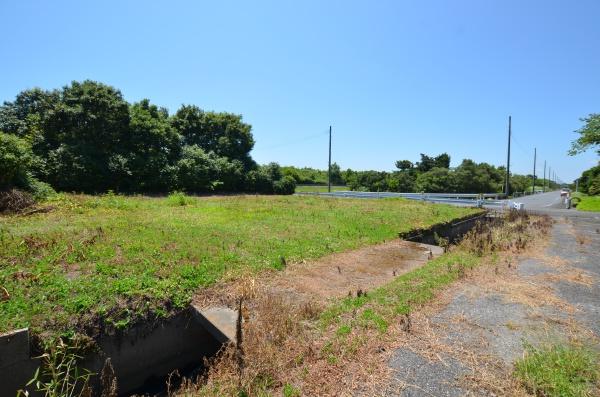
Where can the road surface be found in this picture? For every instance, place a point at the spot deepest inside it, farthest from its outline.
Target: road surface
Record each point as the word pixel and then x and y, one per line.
pixel 552 204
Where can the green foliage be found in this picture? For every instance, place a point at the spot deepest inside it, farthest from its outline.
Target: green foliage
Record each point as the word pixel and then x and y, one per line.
pixel 589 135
pixel 15 161
pixel 594 186
pixel 559 370
pixel 436 180
pixel 179 199
pixel 285 185
pixel 59 374
pixel 222 133
pixel 290 391
pixel 86 138
pixel 588 179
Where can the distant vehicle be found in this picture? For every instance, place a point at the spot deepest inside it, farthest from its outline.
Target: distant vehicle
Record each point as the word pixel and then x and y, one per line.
pixel 564 192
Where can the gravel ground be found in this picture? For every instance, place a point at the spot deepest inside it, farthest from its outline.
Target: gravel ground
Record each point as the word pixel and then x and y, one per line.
pixel 491 323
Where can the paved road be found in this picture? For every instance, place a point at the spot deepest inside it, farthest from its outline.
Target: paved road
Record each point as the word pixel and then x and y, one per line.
pixel 552 204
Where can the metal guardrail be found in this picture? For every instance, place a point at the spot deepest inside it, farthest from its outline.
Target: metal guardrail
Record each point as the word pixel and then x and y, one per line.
pixel 474 199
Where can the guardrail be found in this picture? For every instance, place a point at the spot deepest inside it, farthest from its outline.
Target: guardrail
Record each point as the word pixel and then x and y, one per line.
pixel 474 199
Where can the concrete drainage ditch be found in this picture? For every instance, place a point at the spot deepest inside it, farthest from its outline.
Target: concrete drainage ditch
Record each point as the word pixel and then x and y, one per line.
pixel 143 356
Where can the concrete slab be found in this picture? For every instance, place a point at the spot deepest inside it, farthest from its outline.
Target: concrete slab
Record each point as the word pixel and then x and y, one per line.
pixel 219 321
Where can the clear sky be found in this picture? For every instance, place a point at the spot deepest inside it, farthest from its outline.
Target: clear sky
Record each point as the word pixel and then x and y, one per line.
pixel 393 78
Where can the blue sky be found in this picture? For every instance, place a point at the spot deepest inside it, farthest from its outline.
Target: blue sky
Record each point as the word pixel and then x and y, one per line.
pixel 394 78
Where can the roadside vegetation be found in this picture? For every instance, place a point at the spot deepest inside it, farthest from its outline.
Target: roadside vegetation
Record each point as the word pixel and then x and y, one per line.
pixel 431 174
pixel 562 370
pixel 95 263
pixel 586 202
pixel 335 347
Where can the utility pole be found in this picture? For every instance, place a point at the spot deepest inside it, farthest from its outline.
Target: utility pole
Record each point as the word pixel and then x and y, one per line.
pixel 549 178
pixel 507 188
pixel 576 185
pixel 534 160
pixel 544 185
pixel 329 171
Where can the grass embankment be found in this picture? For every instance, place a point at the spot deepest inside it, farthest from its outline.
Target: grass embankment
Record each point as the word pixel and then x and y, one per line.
pixel 105 262
pixel 318 188
pixel 564 370
pixel 588 203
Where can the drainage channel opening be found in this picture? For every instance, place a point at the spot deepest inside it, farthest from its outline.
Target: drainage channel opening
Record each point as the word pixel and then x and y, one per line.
pixel 145 358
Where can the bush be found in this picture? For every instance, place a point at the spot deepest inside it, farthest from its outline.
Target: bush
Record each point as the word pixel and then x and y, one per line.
pixel 40 190
pixel 286 185
pixel 178 199
pixel 594 187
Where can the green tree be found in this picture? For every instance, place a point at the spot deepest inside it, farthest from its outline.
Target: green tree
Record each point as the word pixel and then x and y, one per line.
pixel 86 137
pixel 222 133
pixel 15 161
pixel 442 161
pixel 153 148
pixel 404 165
pixel 436 180
pixel 471 177
pixel 336 175
pixel 589 135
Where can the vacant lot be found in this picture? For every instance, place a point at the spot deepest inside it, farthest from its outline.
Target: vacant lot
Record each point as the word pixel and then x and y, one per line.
pixel 97 263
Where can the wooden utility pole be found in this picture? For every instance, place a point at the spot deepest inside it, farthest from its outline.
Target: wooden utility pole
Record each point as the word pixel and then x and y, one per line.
pixel 534 160
pixel 549 178
pixel 329 169
pixel 544 185
pixel 507 187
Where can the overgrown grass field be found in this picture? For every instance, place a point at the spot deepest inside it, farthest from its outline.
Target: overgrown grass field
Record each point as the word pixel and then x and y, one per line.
pixel 97 263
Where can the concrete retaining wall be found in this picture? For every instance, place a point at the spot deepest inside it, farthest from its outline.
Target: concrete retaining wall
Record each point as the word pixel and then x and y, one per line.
pixel 142 357
pixel 452 231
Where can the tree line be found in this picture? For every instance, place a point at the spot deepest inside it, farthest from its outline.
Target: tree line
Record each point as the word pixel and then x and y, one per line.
pixel 85 137
pixel 431 174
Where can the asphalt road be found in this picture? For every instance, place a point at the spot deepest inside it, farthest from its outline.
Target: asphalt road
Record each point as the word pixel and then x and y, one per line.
pixel 552 204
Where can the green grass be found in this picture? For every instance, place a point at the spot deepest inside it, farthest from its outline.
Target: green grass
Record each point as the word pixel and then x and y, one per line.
pixel 112 260
pixel 402 294
pixel 318 188
pixel 588 203
pixel 559 370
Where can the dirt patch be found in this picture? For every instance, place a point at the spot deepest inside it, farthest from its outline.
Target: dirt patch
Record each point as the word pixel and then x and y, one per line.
pixel 350 272
pixel 333 276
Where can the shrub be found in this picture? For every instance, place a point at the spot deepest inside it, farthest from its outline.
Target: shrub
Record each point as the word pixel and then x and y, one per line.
pixel 594 188
pixel 178 199
pixel 40 190
pixel 286 185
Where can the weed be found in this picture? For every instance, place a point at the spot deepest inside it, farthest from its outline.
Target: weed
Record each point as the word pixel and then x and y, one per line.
pixel 179 199
pixel 290 391
pixel 59 374
pixel 559 370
